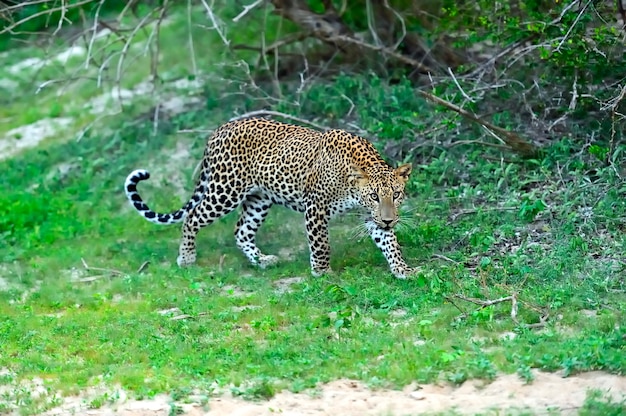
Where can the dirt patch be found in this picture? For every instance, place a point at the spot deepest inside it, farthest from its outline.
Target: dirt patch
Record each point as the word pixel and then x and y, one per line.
pixel 285 285
pixel 234 292
pixel 549 393
pixel 31 135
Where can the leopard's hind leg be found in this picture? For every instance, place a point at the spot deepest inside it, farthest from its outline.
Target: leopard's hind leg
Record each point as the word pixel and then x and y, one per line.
pixel 254 210
pixel 213 206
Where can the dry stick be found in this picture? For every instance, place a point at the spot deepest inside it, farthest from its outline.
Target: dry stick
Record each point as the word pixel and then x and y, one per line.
pixel 613 105
pixel 61 19
pixel 513 140
pixel 100 269
pixel 456 215
pixel 296 37
pixel 387 51
pixel 192 50
pixel 569 31
pixel 154 58
pixel 543 318
pixel 278 114
pixel 216 26
pixel 402 24
pixel 478 142
pixel 246 10
pixel 622 12
pixel 154 64
pixel 61 8
pixel 143 266
pixel 515 45
pixel 467 97
pixel 124 52
pixel 96 23
pixel 483 303
pixel 441 256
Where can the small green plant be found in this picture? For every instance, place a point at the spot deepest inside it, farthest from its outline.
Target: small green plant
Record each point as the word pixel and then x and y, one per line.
pixel 525 373
pixel 596 404
pixel 531 208
pixel 260 389
pixel 600 152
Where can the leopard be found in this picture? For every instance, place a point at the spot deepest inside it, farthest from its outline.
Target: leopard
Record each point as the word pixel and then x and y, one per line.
pixel 256 163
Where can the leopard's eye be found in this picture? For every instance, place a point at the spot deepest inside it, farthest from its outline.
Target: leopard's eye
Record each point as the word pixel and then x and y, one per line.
pixel 396 195
pixel 374 196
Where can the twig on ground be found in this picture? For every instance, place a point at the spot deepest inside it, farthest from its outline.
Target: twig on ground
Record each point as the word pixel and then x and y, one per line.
pixel 187 316
pixel 441 256
pixel 543 318
pixel 456 215
pixel 478 142
pixel 105 273
pixel 100 269
pixel 278 114
pixel 143 266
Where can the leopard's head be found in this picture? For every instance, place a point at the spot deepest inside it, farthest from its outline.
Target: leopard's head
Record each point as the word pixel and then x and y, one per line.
pixel 381 191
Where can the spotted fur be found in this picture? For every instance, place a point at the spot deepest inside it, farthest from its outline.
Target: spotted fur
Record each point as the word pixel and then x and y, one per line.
pixel 256 163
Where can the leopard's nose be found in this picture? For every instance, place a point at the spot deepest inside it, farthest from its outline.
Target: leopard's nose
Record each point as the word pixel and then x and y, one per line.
pixel 387 222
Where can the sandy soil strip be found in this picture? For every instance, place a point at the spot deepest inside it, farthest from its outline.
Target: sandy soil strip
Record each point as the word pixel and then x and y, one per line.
pixel 549 393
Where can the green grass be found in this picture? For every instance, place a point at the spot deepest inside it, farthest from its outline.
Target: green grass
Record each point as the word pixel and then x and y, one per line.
pixel 550 231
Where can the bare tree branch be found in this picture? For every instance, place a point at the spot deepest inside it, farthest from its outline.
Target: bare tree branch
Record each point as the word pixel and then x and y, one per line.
pixel 512 139
pixel 246 10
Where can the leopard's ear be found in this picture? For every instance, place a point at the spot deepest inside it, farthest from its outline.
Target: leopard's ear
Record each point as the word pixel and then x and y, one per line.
pixel 357 175
pixel 403 172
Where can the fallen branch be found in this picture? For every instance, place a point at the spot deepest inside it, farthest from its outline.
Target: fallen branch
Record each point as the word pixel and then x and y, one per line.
pixel 100 269
pixel 512 139
pixel 296 37
pixel 349 40
pixel 105 272
pixel 442 257
pixel 143 266
pixel 543 318
pixel 456 215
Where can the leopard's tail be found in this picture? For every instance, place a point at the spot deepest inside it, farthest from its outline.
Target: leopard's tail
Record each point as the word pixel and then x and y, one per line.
pixel 142 208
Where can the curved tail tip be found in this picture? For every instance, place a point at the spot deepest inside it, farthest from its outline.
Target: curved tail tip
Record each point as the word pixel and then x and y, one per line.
pixel 139 174
pixel 134 177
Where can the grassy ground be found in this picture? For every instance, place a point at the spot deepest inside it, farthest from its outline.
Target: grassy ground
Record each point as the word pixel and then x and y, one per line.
pixel 79 309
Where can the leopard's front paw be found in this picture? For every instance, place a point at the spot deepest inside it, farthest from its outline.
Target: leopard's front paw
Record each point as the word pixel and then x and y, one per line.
pixel 317 272
pixel 404 271
pixel 186 259
pixel 266 260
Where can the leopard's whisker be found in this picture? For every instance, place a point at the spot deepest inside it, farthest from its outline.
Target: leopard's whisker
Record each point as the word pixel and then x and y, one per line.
pixel 359 232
